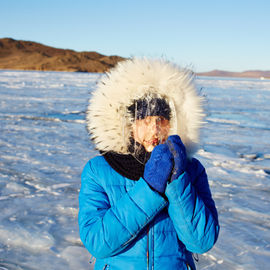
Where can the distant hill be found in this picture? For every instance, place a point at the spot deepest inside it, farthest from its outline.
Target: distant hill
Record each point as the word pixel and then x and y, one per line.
pixel 244 74
pixel 28 55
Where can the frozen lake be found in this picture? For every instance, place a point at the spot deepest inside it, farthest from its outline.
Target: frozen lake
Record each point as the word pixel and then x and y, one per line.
pixel 44 146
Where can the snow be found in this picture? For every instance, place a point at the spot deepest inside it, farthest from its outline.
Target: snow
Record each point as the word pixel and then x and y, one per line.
pixel 44 146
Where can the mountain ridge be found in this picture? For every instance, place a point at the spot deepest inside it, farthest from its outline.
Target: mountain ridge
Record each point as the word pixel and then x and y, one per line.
pixel 262 74
pixel 30 55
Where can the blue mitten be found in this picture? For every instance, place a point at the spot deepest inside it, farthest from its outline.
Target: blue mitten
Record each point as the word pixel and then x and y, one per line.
pixel 178 151
pixel 158 168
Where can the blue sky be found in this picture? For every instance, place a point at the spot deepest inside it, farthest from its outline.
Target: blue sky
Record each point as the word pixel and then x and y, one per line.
pixel 207 34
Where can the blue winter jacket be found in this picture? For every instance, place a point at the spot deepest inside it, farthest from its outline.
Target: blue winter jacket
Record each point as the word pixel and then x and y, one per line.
pixel 126 225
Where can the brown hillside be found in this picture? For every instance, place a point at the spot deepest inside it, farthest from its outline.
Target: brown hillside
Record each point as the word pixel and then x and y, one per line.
pixel 27 55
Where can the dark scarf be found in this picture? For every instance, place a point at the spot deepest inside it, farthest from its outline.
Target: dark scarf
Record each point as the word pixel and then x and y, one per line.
pixel 130 166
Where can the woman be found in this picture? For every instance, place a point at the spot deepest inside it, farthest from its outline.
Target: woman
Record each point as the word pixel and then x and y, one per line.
pixel 145 203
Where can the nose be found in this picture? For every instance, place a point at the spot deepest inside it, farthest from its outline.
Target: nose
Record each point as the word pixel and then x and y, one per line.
pixel 155 127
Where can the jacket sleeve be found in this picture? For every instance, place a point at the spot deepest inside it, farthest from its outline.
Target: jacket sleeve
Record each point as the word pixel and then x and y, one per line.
pixel 193 210
pixel 106 230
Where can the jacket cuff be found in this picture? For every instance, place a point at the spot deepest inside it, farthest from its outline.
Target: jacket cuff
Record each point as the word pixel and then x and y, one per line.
pixel 147 199
pixel 177 187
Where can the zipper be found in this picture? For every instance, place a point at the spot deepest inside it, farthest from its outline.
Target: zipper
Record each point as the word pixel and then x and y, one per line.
pixel 152 248
pixel 147 251
pixel 106 266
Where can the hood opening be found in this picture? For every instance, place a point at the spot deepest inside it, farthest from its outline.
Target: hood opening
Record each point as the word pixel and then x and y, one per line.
pixel 150 120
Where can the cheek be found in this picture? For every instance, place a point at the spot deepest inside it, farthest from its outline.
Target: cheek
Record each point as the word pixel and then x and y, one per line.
pixel 164 131
pixel 142 133
pixel 138 133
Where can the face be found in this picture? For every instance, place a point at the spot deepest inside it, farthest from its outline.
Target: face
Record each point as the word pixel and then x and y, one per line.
pixel 151 131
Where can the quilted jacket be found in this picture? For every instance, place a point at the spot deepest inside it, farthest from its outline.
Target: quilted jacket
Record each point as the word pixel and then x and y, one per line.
pixel 126 225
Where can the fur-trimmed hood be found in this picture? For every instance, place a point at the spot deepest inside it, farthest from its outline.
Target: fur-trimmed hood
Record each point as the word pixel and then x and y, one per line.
pixel 107 117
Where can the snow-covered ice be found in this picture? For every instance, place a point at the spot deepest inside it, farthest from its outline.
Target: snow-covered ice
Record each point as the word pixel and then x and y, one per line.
pixel 44 146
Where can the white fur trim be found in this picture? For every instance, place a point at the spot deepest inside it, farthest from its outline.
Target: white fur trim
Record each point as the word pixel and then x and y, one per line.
pixel 107 119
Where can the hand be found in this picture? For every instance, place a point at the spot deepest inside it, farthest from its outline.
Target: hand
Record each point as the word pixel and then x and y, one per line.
pixel 178 151
pixel 158 168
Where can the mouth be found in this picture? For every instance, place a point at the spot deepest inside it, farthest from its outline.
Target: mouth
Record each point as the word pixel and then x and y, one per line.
pixel 153 142
pixel 149 145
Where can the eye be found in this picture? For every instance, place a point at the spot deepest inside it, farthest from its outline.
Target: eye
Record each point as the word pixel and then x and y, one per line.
pixel 164 121
pixel 147 121
pixel 159 119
